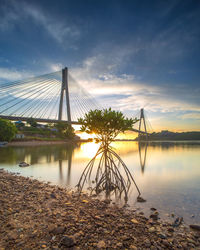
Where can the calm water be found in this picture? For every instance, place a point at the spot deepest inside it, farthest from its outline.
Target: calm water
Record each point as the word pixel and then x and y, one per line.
pixel 168 174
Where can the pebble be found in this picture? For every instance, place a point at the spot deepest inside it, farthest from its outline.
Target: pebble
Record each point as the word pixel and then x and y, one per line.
pixel 133 247
pixel 162 236
pixel 152 229
pixel 154 216
pixel 101 244
pixel 67 241
pixel 65 222
pixel 58 230
pixel 170 229
pixel 140 199
pixel 195 227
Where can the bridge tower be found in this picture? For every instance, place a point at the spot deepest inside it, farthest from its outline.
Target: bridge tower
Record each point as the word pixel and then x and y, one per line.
pixel 142 119
pixel 65 89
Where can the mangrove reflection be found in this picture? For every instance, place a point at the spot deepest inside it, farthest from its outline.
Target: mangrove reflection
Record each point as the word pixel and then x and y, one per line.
pixel 111 175
pixel 167 174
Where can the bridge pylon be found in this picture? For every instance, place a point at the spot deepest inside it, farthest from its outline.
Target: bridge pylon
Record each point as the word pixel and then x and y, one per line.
pixel 142 120
pixel 64 88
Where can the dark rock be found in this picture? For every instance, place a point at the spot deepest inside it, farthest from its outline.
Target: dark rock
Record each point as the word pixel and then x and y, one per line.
pixel 140 199
pixel 195 227
pixel 53 195
pixel 67 241
pixel 153 209
pixel 177 221
pixel 58 230
pixel 162 236
pixel 154 216
pixel 170 229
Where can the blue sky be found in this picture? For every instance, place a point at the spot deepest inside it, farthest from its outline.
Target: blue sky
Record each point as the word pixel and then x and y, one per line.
pixel 128 54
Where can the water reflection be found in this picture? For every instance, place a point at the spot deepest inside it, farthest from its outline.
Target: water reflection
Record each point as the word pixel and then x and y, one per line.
pixel 142 150
pixel 167 173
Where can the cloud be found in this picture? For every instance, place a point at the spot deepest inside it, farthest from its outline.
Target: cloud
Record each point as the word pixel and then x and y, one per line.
pixel 56 28
pixel 126 93
pixel 55 66
pixel 193 116
pixel 16 11
pixel 13 74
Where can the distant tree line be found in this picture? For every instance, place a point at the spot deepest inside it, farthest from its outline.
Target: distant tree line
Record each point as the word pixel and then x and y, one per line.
pixel 172 136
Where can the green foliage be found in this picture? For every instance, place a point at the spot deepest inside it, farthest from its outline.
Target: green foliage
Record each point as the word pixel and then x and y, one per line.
pixel 106 124
pixel 173 136
pixel 7 130
pixel 65 130
pixel 32 122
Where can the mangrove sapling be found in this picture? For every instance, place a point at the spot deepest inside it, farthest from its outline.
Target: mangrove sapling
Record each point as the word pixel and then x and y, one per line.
pixel 107 124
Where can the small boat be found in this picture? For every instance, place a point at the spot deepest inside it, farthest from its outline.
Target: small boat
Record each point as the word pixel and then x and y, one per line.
pixel 23 164
pixel 3 143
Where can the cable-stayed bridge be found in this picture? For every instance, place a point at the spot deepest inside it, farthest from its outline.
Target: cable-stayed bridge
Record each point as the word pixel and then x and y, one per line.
pixel 51 98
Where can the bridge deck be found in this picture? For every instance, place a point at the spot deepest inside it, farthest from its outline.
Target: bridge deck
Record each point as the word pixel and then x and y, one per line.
pixel 16 118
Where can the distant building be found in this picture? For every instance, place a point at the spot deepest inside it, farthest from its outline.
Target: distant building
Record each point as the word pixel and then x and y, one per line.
pixel 19 124
pixel 19 136
pixel 41 126
pixel 54 129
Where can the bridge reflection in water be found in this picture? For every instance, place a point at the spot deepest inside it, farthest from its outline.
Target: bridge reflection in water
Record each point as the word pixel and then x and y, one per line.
pixel 64 157
pixel 167 173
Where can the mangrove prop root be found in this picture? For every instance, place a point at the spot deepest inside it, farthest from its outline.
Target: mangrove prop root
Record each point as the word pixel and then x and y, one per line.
pixel 108 177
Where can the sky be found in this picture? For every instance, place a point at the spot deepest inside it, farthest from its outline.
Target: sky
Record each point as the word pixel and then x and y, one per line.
pixel 127 54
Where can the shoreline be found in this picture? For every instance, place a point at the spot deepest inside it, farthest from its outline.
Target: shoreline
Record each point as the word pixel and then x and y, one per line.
pixel 43 142
pixel 36 215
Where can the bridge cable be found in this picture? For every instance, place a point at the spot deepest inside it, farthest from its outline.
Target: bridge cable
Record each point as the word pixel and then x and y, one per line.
pixel 38 90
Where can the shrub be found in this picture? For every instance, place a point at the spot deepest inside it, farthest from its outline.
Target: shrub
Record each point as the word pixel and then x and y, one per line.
pixel 7 130
pixel 65 130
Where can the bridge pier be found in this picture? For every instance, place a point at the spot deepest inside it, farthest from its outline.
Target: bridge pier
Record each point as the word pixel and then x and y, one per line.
pixel 142 118
pixel 65 88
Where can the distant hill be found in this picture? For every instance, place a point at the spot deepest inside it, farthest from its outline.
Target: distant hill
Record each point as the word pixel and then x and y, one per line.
pixel 166 135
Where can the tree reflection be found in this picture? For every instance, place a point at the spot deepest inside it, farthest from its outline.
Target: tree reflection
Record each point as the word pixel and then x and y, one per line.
pixel 111 175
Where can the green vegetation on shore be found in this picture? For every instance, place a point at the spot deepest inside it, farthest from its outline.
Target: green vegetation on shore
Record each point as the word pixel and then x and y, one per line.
pixel 34 131
pixel 171 136
pixel 7 130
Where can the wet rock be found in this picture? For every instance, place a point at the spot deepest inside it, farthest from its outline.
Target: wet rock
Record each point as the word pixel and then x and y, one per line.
pixel 140 199
pixel 23 164
pixel 195 227
pixel 177 221
pixel 67 241
pixel 154 216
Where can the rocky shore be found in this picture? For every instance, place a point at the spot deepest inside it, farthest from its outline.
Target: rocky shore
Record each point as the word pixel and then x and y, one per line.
pixel 36 215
